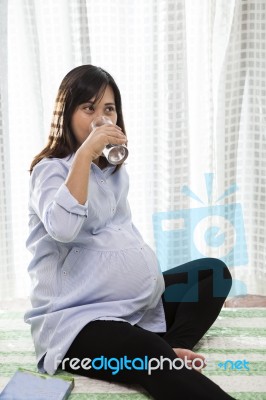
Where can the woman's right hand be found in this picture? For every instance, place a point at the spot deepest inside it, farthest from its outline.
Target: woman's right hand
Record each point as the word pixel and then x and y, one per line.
pixel 100 137
pixel 90 149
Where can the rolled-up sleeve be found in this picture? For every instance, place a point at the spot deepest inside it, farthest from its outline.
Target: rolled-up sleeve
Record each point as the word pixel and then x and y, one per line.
pixel 51 200
pixel 65 199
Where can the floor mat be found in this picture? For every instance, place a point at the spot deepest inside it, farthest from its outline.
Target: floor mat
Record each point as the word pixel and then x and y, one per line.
pixel 235 348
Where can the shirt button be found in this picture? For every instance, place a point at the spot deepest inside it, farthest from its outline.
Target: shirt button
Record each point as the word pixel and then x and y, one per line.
pixel 64 272
pixel 102 181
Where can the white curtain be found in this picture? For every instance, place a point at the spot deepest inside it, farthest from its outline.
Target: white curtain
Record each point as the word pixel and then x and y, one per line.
pixel 7 270
pixel 40 43
pixel 192 77
pixel 227 113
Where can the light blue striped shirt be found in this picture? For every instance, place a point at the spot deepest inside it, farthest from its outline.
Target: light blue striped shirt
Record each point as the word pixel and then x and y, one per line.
pixel 89 261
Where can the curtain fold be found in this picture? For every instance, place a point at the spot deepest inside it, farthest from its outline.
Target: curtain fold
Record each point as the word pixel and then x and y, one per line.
pixel 171 154
pixel 171 158
pixel 79 28
pixel 7 270
pixel 240 132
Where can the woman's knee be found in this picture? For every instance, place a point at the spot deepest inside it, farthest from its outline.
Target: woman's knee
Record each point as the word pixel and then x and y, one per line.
pixel 222 278
pixel 217 264
pixel 213 264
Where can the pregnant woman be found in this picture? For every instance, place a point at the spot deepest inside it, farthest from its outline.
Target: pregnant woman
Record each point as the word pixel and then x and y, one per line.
pixel 97 289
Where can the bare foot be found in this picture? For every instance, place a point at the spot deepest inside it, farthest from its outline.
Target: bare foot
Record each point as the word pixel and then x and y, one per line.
pixel 194 360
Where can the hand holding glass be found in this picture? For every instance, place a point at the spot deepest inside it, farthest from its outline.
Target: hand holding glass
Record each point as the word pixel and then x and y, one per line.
pixel 114 153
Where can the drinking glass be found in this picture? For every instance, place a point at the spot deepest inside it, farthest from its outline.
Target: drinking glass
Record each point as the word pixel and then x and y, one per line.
pixel 115 153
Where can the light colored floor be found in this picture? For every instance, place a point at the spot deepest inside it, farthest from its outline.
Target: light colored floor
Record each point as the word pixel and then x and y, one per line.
pixel 248 300
pixel 238 333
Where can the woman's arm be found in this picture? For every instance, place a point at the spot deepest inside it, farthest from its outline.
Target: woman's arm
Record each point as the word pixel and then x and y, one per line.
pixel 78 178
pixel 51 200
pixel 90 150
pixel 59 194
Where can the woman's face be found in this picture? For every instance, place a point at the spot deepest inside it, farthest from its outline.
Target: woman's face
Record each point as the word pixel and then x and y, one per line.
pixel 87 112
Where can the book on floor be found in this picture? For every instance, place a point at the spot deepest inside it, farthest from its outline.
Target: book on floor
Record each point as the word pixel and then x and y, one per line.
pixel 30 385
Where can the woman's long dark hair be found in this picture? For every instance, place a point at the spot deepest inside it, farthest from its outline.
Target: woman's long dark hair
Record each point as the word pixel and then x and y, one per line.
pixel 80 85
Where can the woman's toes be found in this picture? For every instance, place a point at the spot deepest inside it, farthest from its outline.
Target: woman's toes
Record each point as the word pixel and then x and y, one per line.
pixel 189 355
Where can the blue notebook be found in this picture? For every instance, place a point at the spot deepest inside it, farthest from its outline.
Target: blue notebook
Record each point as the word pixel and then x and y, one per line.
pixel 29 385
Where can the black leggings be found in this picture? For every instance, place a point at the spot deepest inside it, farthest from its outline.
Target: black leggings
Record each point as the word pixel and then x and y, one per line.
pixel 194 295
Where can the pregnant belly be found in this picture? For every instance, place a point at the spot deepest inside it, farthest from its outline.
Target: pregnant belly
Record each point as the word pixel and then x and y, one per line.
pixel 104 276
